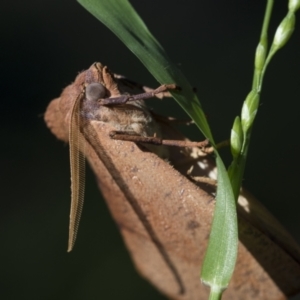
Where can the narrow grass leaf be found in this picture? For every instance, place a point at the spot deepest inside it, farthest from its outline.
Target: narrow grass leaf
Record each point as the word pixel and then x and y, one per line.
pixel 222 247
pixel 125 23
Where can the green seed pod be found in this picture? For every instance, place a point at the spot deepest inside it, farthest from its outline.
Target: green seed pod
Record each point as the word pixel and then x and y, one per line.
pixel 249 110
pixel 294 5
pixel 260 56
pixel 284 31
pixel 236 137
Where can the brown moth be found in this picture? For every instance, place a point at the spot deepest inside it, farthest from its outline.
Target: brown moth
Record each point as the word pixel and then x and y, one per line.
pixel 164 216
pixel 101 99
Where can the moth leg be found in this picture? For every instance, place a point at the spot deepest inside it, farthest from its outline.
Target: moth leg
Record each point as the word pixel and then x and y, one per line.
pixel 124 136
pixel 223 144
pixel 136 88
pixel 125 98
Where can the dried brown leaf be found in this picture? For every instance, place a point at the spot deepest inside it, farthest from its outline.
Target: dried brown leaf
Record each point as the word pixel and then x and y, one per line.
pixel 165 218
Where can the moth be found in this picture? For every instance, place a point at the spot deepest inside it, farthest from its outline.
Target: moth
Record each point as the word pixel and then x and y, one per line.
pixel 164 216
pixel 102 99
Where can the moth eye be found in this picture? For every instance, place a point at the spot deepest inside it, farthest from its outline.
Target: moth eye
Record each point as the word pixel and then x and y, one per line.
pixel 95 91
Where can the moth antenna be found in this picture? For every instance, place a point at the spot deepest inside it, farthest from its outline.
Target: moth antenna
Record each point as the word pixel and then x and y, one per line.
pixel 77 163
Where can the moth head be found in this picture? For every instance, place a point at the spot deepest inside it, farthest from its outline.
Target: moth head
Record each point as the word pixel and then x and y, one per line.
pixel 95 91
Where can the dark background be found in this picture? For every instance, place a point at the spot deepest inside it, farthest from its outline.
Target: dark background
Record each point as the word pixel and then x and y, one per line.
pixel 43 46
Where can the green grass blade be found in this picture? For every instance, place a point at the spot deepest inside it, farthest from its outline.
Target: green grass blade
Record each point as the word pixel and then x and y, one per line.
pixel 222 247
pixel 125 23
pixel 120 17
